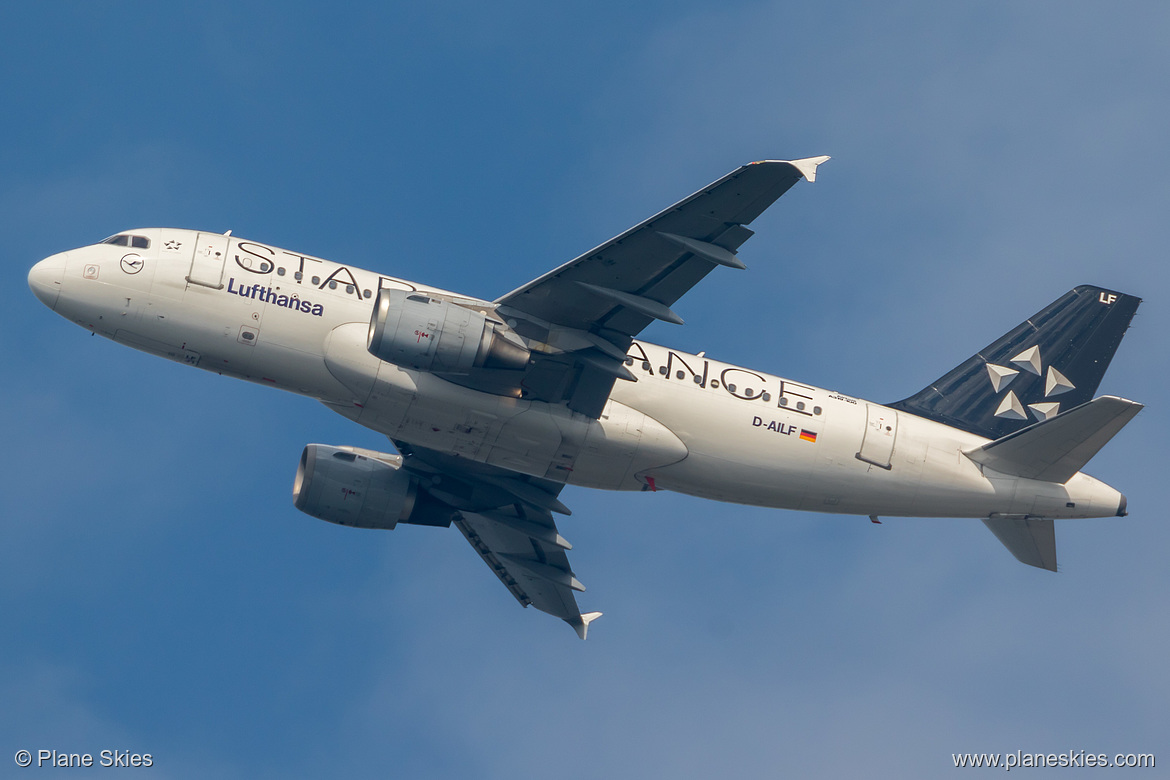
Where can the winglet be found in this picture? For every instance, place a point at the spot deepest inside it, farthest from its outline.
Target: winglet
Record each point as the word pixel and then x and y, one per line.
pixel 808 166
pixel 581 624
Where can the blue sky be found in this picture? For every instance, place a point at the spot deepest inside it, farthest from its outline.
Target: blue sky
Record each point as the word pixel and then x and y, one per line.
pixel 162 594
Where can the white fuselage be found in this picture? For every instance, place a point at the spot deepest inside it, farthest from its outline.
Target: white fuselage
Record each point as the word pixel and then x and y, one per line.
pixel 689 424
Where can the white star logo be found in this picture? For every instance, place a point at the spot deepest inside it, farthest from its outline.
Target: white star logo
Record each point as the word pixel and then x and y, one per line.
pixel 1029 361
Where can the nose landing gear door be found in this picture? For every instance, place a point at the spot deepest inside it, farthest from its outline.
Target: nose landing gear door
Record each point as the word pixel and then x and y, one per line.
pixel 207 265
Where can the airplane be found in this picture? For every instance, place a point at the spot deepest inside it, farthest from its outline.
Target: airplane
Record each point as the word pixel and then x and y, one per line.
pixel 494 406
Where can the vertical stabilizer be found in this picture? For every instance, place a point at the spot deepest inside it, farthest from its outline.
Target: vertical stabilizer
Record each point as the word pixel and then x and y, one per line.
pixel 1048 364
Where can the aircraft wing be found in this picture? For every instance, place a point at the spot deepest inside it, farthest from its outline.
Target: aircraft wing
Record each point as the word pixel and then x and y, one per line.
pixel 507 518
pixel 590 308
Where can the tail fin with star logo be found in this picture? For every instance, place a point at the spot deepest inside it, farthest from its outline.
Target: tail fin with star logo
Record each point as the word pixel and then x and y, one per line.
pixel 1050 363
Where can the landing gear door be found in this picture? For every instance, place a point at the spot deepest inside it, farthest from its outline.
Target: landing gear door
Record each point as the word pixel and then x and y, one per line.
pixel 881 428
pixel 207 265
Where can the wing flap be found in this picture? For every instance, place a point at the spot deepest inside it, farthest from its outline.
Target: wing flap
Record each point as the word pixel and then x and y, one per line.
pixel 1054 450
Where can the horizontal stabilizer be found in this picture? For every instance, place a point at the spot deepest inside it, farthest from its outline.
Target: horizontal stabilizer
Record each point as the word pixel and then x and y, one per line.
pixel 1055 449
pixel 1031 539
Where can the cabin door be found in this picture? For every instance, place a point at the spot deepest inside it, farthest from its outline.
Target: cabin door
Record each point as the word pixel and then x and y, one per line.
pixel 881 428
pixel 207 265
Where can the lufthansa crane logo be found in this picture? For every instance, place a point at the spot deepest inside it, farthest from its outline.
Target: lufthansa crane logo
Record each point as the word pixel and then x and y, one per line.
pixel 132 264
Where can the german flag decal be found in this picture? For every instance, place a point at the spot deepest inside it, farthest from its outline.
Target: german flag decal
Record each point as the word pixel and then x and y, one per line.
pixel 807 435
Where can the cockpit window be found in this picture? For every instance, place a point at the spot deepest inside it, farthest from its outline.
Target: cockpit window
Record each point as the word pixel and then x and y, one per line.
pixel 138 242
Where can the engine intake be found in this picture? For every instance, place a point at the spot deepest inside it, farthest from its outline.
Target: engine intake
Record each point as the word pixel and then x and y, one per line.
pixel 363 489
pixel 421 331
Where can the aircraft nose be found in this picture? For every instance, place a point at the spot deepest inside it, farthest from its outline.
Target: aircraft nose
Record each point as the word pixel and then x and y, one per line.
pixel 44 279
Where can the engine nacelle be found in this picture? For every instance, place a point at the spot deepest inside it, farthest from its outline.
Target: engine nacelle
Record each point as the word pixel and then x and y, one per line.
pixel 421 331
pixel 363 488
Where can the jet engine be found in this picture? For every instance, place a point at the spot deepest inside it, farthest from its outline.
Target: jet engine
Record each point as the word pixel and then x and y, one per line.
pixel 426 332
pixel 363 489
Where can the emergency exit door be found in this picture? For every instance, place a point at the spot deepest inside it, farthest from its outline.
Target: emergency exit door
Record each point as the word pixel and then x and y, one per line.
pixel 207 265
pixel 881 428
